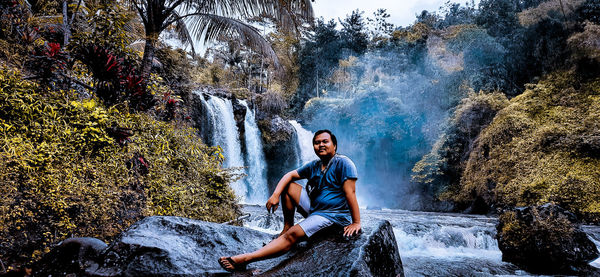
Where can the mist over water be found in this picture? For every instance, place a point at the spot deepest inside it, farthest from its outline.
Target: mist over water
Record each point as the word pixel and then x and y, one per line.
pixel 385 127
pixel 389 105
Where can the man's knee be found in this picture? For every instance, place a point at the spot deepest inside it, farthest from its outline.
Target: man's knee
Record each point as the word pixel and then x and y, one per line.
pixel 293 234
pixel 293 191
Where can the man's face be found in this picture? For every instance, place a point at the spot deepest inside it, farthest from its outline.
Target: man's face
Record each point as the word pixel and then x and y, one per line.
pixel 323 145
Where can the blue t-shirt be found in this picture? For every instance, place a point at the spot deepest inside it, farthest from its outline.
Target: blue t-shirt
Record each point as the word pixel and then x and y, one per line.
pixel 329 199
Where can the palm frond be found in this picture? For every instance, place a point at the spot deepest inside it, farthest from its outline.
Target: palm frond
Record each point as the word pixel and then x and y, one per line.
pixel 26 5
pixel 182 32
pixel 134 27
pixel 206 27
pixel 45 20
pixel 287 13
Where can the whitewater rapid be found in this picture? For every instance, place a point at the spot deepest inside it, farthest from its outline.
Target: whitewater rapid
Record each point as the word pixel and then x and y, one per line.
pixel 432 244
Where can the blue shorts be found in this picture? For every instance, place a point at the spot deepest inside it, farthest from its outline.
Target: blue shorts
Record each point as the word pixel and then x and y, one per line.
pixel 312 223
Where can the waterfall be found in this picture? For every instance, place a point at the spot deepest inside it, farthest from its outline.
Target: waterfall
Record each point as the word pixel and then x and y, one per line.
pixel 225 134
pixel 255 160
pixel 219 127
pixel 305 146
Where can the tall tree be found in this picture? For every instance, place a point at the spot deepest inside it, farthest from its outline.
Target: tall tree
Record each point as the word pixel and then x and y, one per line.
pixel 379 25
pixel 318 55
pixel 354 33
pixel 216 20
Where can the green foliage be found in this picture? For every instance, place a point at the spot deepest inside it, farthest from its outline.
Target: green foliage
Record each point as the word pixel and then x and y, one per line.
pixel 176 69
pixel 63 174
pixel 321 53
pixel 103 49
pixel 585 44
pixel 542 147
pixel 354 33
pixel 439 172
pixel 287 47
pixel 15 33
pixel 548 9
pixel 417 32
pixel 107 26
pixel 271 103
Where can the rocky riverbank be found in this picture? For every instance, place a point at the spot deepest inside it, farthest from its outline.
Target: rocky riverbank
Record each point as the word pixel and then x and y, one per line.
pixel 175 246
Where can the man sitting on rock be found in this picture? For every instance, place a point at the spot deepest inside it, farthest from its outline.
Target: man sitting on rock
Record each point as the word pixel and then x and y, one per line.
pixel 328 199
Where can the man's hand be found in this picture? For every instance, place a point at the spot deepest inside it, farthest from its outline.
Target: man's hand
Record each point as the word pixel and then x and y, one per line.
pixel 352 229
pixel 272 203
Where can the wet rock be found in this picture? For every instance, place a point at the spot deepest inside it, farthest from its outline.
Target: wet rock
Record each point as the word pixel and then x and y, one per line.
pixel 280 147
pixel 198 111
pixel 239 114
pixel 374 253
pixel 174 246
pixel 545 239
pixel 71 256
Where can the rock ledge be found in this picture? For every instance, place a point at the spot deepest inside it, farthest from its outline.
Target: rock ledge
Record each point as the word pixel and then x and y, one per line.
pixel 175 246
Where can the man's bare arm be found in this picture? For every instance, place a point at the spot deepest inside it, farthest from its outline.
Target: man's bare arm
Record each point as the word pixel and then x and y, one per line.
pixel 350 191
pixel 273 201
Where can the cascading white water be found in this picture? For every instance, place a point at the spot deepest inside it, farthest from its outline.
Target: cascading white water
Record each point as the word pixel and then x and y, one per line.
pixel 307 153
pixel 255 160
pixel 431 244
pixel 225 134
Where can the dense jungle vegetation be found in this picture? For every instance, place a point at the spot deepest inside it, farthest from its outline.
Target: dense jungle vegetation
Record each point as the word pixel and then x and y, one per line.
pixel 92 141
pixel 479 106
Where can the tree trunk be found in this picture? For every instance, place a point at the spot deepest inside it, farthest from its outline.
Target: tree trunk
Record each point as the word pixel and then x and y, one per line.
pixel 66 27
pixel 149 49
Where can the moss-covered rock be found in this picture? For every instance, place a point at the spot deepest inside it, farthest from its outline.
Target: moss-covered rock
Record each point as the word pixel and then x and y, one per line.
pixel 542 147
pixel 545 239
pixel 440 171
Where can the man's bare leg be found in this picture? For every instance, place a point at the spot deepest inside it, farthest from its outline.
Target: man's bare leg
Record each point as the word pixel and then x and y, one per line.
pixel 289 200
pixel 275 248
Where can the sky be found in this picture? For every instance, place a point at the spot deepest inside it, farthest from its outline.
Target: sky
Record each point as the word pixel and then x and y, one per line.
pixel 402 12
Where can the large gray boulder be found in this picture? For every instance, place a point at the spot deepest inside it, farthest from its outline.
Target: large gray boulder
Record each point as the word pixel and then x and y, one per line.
pixel 175 246
pixel 545 239
pixel 374 253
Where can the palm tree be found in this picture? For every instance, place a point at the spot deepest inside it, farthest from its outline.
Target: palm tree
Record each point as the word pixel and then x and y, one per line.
pixel 208 20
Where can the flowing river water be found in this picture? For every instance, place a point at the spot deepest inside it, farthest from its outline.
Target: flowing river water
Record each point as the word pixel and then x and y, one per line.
pixel 432 244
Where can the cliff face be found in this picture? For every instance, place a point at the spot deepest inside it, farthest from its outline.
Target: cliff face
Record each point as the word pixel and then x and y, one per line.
pixel 280 144
pixel 439 172
pixel 543 147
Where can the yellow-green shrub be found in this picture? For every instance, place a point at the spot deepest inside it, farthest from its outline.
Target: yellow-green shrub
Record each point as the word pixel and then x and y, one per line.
pixel 62 174
pixel 543 147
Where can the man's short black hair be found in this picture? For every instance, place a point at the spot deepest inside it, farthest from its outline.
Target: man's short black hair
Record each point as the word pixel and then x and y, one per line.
pixel 333 138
